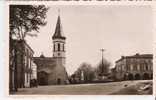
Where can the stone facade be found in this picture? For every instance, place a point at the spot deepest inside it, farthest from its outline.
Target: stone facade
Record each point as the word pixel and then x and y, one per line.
pixel 51 70
pixel 21 57
pixel 34 71
pixel 136 67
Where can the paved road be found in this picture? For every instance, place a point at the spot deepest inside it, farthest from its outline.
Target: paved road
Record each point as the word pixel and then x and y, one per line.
pixel 80 89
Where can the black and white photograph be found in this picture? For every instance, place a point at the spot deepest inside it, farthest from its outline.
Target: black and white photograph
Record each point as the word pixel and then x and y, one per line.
pixel 80 50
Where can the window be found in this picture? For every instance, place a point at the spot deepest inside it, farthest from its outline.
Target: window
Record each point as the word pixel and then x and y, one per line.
pixel 151 67
pixel 131 67
pixel 127 67
pixel 63 47
pixel 58 46
pixel 27 77
pixel 123 67
pixel 142 67
pixel 30 62
pixel 135 66
pixel 138 67
pixel 54 47
pixel 146 66
pixel 58 54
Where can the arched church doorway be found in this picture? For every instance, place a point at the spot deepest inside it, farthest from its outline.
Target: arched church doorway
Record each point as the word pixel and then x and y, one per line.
pixel 58 81
pixel 137 77
pixel 130 77
pixel 42 78
pixel 146 76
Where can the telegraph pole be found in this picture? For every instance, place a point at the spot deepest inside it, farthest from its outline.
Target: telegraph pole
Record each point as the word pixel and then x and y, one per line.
pixel 102 69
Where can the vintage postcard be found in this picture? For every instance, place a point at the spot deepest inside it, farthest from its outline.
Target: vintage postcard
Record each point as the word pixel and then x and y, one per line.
pixel 80 49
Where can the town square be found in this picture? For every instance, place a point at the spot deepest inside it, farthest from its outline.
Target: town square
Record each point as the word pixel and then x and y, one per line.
pixel 80 50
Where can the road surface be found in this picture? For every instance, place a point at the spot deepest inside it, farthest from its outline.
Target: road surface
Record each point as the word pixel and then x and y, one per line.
pixel 115 88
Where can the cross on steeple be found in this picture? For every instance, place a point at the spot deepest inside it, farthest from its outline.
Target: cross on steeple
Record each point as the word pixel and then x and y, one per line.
pixel 58 30
pixel 59 12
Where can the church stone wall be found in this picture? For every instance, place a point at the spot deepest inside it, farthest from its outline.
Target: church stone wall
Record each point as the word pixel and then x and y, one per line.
pixel 59 76
pixel 54 68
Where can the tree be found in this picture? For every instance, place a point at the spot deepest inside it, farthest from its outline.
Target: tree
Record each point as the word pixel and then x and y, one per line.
pixel 85 72
pixel 103 67
pixel 23 20
pixel 26 18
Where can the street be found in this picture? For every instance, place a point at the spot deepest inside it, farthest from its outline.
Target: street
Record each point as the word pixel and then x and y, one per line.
pixel 124 87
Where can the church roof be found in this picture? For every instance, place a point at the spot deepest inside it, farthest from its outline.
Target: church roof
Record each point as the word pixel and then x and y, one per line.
pixel 47 70
pixel 42 55
pixel 58 30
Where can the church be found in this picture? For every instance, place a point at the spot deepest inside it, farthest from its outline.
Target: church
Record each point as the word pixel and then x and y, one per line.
pixel 51 70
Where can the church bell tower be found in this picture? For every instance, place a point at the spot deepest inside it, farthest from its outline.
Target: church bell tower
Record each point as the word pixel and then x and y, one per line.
pixel 59 43
pixel 61 76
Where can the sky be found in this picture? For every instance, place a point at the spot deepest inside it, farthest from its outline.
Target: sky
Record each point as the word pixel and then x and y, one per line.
pixel 120 30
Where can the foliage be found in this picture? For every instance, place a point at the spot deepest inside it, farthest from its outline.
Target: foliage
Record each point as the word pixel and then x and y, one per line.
pixel 88 72
pixel 103 67
pixel 23 20
pixel 26 18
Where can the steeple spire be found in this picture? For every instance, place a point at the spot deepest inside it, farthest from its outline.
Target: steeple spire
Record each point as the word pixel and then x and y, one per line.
pixel 58 30
pixel 59 12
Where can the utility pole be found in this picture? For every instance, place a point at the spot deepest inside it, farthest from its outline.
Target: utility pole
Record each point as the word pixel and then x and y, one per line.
pixel 102 69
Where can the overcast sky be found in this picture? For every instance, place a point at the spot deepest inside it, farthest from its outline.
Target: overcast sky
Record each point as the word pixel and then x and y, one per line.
pixel 121 30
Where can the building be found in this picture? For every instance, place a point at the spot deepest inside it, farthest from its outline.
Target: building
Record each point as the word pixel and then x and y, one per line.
pixel 136 67
pixel 113 74
pixel 21 56
pixel 12 66
pixel 51 70
pixel 34 71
